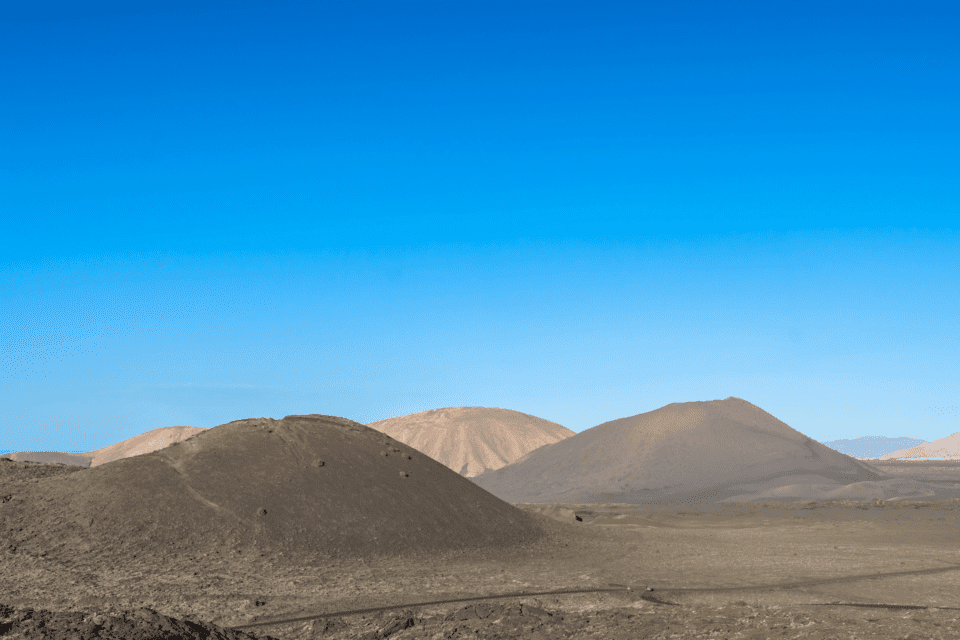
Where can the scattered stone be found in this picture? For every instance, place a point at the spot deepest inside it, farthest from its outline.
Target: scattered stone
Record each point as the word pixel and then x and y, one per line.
pixel 142 624
pixel 212 492
pixel 398 624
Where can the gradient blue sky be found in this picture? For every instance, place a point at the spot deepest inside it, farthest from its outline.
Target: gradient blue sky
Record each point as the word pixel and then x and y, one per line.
pixel 582 211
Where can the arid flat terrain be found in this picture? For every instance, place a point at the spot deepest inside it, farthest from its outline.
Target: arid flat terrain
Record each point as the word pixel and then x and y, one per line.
pixel 790 570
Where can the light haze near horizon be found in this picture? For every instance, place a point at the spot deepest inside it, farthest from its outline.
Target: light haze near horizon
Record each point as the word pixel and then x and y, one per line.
pixel 216 211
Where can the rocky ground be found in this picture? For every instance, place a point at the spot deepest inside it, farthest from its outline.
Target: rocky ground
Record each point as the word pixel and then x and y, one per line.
pixel 142 624
pixel 803 570
pixel 737 620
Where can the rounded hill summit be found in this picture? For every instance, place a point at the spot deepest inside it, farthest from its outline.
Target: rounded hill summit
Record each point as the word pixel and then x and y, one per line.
pixel 473 440
pixel 303 485
pixel 690 452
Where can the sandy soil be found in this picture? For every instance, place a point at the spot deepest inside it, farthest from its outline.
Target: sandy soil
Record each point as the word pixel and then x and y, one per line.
pixel 735 571
pixel 837 569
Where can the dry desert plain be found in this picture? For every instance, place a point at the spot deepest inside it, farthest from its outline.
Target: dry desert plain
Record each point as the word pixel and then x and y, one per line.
pixel 828 569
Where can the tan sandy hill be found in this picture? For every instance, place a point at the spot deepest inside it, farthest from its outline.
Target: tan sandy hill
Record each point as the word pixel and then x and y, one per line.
pixel 944 448
pixel 143 443
pixel 135 446
pixel 310 486
pixel 472 440
pixel 694 451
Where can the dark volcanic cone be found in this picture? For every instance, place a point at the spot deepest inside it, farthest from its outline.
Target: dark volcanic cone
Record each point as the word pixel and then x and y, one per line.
pixel 472 440
pixel 694 451
pixel 301 485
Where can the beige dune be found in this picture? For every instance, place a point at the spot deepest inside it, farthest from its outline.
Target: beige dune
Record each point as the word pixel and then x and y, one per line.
pixel 135 446
pixel 944 448
pixel 143 443
pixel 472 440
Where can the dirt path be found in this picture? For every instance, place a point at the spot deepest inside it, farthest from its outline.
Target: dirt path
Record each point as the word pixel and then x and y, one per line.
pixel 745 572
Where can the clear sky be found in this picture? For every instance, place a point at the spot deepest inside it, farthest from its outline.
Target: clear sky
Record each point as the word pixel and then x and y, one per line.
pixel 581 211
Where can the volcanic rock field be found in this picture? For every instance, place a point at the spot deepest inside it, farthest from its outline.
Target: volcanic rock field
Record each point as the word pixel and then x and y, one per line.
pixel 696 520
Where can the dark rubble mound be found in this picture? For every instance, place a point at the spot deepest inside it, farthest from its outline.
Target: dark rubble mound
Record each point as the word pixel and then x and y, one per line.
pixel 14 472
pixel 50 457
pixel 143 624
pixel 316 485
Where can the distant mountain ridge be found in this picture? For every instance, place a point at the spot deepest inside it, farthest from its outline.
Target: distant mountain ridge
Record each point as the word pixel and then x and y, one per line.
pixel 870 447
pixel 943 449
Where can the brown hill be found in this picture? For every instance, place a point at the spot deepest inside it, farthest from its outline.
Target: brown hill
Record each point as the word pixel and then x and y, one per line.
pixel 472 440
pixel 135 446
pixel 143 443
pixel 945 448
pixel 315 485
pixel 694 451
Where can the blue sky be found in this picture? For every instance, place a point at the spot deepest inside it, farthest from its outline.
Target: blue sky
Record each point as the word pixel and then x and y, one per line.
pixel 582 211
